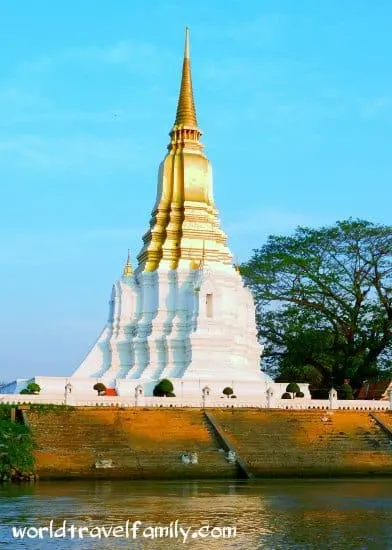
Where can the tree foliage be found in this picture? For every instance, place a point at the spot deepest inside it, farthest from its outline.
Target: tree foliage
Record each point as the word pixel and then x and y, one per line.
pixel 345 392
pixel 16 445
pixel 31 388
pixel 324 302
pixel 164 388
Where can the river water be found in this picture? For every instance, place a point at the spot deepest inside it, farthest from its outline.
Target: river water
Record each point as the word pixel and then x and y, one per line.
pixel 275 514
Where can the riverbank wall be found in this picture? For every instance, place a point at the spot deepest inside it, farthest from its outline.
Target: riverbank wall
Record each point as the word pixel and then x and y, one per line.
pixel 110 443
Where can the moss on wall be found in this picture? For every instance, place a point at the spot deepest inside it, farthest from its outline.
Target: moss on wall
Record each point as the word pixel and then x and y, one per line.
pixel 16 448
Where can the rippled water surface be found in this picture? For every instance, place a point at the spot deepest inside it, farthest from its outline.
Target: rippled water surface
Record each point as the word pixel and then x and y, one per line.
pixel 288 514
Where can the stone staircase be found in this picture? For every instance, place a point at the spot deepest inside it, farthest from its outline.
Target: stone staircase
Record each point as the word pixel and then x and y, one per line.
pixel 307 443
pixel 224 444
pixel 136 443
pixel 385 418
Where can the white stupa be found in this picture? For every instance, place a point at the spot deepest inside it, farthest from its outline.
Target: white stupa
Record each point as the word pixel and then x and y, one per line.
pixel 184 312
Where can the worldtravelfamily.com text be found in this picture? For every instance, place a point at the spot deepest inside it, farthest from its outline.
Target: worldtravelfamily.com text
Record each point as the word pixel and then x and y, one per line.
pixel 128 530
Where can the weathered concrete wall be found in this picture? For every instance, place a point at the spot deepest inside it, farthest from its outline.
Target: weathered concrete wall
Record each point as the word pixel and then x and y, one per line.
pixel 308 443
pixel 148 443
pixel 141 443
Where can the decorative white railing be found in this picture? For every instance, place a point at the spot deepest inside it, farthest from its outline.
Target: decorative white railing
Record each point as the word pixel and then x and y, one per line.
pixel 152 402
pixel 326 404
pixel 16 399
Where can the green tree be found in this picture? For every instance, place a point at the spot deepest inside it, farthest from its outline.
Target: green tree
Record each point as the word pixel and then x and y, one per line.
pixel 345 392
pixel 324 302
pixel 228 391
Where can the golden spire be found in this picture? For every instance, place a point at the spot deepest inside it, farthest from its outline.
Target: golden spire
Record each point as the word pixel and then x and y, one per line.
pixel 186 112
pixel 184 227
pixel 128 270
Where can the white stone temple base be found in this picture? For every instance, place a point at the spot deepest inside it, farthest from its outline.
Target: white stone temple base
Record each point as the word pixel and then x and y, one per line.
pixel 189 390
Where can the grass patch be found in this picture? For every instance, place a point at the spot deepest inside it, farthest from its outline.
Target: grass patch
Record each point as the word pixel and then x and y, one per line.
pixel 37 407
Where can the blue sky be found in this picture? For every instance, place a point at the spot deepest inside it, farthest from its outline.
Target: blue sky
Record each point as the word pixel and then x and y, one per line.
pixel 294 99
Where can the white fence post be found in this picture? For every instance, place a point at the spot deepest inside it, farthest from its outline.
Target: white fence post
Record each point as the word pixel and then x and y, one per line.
pixel 333 396
pixel 270 398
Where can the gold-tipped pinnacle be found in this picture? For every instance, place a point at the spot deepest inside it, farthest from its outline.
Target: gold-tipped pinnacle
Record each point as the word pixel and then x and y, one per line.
pixel 128 270
pixel 186 112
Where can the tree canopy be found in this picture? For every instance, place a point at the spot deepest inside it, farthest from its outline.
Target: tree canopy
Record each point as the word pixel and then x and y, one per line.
pixel 324 302
pixel 164 388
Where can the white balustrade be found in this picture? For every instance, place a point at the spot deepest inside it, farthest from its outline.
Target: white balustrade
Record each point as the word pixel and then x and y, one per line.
pixel 208 402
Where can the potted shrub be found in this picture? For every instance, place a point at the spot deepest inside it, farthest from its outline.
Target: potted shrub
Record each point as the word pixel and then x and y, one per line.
pixel 99 388
pixel 31 389
pixel 228 391
pixel 293 388
pixel 164 388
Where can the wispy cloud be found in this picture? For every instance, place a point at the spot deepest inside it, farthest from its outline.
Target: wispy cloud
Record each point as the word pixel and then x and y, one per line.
pixel 371 108
pixel 125 52
pixel 37 248
pixel 253 71
pixel 86 154
pixel 253 229
pixel 265 29
pixel 24 91
pixel 21 103
pixel 137 56
pixel 42 238
pixel 268 221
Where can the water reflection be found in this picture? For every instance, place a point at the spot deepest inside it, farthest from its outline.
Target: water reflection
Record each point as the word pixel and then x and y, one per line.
pixel 279 514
